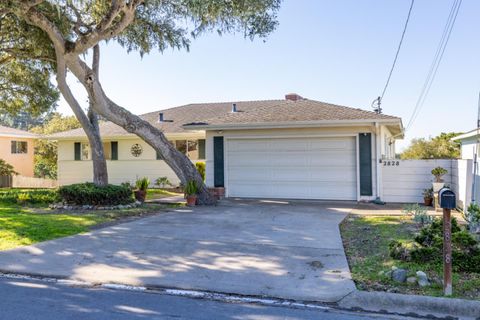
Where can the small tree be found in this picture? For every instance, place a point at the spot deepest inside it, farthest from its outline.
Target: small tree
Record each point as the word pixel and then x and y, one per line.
pixel 46 150
pixel 439 147
pixel 6 169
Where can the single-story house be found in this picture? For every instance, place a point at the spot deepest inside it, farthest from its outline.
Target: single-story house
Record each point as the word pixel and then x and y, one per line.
pixel 289 148
pixel 468 143
pixel 17 149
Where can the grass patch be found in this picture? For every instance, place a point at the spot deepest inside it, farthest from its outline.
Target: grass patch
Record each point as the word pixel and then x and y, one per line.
pixel 24 226
pixel 366 240
pixel 153 194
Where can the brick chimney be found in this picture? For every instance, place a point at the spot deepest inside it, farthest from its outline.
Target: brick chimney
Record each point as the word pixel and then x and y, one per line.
pixel 293 97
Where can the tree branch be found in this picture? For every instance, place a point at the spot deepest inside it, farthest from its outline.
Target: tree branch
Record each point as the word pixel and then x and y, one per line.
pixel 108 28
pixel 36 18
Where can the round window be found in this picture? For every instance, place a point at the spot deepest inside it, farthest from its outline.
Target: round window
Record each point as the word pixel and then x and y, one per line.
pixel 136 150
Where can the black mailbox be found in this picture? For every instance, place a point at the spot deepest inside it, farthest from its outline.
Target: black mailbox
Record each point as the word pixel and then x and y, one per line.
pixel 447 199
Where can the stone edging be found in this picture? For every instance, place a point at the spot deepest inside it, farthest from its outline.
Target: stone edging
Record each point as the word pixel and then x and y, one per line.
pixel 411 305
pixel 70 207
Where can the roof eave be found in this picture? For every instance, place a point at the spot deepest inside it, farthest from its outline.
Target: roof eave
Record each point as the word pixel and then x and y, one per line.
pixel 295 124
pixel 172 135
pixel 24 136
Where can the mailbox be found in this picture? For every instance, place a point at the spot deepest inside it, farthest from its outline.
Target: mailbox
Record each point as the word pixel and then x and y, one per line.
pixel 447 199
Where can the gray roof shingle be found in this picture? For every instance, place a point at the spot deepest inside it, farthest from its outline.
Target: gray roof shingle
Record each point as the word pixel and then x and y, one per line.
pixel 249 112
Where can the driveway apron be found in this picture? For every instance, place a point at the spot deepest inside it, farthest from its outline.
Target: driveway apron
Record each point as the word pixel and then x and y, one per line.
pixel 284 249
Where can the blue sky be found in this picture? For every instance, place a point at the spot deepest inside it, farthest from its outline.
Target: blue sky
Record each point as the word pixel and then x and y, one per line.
pixel 337 51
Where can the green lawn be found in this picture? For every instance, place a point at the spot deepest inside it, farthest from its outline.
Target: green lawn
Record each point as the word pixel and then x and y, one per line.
pixel 153 194
pixel 366 240
pixel 23 226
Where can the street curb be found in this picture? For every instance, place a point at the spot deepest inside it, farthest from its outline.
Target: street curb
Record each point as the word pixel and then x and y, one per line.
pixel 411 305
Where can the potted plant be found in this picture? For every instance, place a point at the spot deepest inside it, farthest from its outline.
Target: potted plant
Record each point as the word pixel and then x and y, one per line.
pixel 190 191
pixel 428 197
pixel 142 186
pixel 438 173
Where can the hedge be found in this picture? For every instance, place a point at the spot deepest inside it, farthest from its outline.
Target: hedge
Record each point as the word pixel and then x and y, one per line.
pixel 90 194
pixel 29 196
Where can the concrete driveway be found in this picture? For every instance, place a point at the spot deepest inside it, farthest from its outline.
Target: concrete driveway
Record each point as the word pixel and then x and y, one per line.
pixel 281 249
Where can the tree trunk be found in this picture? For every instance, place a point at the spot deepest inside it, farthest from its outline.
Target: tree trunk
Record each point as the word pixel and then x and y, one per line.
pixel 100 171
pixel 180 164
pixel 89 124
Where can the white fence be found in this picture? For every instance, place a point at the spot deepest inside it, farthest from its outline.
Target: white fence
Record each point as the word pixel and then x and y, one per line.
pixel 404 180
pixel 29 182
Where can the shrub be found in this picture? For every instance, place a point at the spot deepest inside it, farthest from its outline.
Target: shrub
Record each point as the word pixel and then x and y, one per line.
pixel 191 188
pixel 428 247
pixel 162 182
pixel 91 194
pixel 142 184
pixel 32 196
pixel 472 216
pixel 419 213
pixel 438 173
pixel 6 169
pixel 201 169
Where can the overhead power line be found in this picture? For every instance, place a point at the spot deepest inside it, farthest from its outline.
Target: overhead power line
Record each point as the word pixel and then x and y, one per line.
pixel 377 103
pixel 437 59
pixel 398 50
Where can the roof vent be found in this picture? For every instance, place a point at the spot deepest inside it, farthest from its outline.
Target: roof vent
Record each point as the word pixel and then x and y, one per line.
pixel 234 107
pixel 293 97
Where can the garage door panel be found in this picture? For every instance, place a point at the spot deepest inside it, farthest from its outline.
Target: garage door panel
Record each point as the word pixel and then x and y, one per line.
pixel 296 168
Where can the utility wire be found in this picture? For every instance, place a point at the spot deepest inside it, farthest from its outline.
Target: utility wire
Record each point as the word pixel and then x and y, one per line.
pixel 452 17
pixel 398 50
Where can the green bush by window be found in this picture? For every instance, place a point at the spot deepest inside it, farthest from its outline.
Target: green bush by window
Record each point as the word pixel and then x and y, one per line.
pixel 90 194
pixel 28 196
pixel 201 169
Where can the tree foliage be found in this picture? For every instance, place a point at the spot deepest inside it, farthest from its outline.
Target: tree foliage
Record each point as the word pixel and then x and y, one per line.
pixel 46 150
pixel 77 27
pixel 439 147
pixel 26 67
pixel 6 169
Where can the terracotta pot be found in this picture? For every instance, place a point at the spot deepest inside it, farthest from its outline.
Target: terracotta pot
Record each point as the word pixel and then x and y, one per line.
pixel 191 200
pixel 140 195
pixel 428 202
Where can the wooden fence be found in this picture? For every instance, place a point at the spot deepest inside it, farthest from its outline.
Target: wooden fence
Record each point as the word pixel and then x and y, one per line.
pixel 5 181
pixel 404 180
pixel 30 182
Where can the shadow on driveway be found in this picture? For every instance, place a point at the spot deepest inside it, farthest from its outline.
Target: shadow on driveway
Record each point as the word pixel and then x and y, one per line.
pixel 282 249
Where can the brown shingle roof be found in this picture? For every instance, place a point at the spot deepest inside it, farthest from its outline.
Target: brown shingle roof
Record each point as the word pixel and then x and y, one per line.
pixel 249 112
pixel 7 131
pixel 294 111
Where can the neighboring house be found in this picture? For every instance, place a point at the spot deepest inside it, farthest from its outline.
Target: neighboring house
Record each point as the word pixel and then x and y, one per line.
pixel 290 148
pixel 468 142
pixel 17 148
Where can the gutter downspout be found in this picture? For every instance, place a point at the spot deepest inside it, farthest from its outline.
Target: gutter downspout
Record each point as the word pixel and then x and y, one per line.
pixel 378 160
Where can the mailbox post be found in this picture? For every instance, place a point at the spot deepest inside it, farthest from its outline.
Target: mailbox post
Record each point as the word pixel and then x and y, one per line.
pixel 448 202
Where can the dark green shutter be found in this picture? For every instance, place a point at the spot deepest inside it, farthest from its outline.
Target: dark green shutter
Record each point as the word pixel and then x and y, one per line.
pixel 365 155
pixel 201 149
pixel 114 149
pixel 78 151
pixel 218 162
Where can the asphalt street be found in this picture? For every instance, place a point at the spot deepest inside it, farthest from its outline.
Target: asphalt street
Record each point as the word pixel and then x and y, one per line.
pixel 39 300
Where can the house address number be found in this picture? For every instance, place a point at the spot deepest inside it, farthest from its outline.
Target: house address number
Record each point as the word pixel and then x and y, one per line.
pixel 391 163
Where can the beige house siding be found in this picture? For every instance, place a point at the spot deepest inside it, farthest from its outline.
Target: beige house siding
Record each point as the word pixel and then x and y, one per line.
pixel 126 168
pixel 22 163
pixel 301 132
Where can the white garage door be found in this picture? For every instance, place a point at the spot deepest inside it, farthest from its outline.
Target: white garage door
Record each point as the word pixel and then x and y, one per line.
pixel 292 168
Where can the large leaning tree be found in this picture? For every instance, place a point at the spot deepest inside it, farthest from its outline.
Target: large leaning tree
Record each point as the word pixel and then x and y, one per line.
pixel 77 27
pixel 28 60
